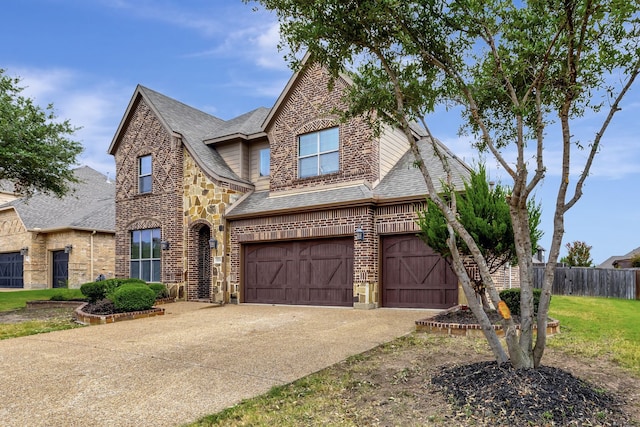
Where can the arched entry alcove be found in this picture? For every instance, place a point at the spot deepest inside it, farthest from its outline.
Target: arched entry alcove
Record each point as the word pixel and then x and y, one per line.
pixel 204 263
pixel 200 263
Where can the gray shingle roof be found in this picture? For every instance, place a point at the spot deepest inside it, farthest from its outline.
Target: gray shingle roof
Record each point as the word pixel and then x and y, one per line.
pixel 405 180
pixel 194 125
pixel 247 124
pixel 263 201
pixel 90 205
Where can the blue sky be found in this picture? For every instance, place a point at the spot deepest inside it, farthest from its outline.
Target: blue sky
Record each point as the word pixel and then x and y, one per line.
pixel 221 56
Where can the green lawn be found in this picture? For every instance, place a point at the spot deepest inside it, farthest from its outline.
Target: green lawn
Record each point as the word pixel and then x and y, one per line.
pixel 598 327
pixel 18 299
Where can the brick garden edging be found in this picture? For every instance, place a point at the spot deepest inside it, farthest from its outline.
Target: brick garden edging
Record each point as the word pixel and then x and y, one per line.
pixel 470 330
pixel 101 319
pixel 53 304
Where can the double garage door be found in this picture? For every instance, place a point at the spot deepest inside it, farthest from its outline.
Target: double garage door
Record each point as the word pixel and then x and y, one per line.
pixel 320 272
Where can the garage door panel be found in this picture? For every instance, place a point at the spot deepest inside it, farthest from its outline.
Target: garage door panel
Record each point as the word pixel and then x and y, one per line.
pixel 415 276
pixel 11 273
pixel 312 272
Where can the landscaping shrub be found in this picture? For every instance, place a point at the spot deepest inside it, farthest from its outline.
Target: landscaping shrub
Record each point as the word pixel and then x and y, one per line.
pixel 102 289
pixel 133 297
pixel 160 289
pixel 511 297
pixel 63 297
pixel 94 291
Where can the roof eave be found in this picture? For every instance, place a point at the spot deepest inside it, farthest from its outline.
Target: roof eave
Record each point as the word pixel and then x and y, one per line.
pixel 323 206
pixel 235 136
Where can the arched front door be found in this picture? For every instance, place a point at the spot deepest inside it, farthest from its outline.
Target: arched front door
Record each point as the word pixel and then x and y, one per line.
pixel 204 263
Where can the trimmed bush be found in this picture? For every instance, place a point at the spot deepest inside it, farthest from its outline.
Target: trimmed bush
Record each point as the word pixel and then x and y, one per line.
pixel 94 291
pixel 102 289
pixel 133 297
pixel 511 297
pixel 160 289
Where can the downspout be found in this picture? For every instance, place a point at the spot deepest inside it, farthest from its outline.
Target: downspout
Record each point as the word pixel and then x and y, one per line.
pixel 91 251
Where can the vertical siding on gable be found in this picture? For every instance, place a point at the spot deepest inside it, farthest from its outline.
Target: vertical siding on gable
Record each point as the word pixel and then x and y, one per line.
pixel 393 144
pixel 232 155
pixel 261 182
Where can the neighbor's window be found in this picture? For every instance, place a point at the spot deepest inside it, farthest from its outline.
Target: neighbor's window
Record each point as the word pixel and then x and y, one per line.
pixel 145 255
pixel 265 159
pixel 144 174
pixel 318 153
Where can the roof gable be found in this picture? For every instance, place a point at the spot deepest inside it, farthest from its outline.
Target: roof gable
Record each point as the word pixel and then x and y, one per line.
pixel 189 124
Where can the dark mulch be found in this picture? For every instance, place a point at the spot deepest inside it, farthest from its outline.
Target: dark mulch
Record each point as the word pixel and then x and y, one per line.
pixel 466 317
pixel 101 307
pixel 502 395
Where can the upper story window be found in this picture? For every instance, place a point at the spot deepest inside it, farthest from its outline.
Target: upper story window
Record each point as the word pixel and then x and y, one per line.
pixel 144 174
pixel 265 160
pixel 318 153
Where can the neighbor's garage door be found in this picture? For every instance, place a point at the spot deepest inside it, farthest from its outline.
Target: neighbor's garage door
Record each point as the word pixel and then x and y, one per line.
pixel 310 272
pixel 414 276
pixel 11 270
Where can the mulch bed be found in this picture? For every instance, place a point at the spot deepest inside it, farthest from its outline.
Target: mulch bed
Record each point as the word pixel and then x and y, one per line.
pixel 496 394
pixel 502 395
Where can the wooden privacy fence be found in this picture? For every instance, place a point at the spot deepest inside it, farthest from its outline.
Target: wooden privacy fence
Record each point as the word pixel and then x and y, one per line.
pixel 593 282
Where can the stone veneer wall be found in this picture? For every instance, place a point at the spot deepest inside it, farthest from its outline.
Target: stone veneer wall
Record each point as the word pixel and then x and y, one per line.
pixel 204 203
pixel 307 109
pixel 144 135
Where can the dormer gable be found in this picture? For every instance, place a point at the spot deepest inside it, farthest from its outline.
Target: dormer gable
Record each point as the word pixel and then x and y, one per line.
pixel 310 146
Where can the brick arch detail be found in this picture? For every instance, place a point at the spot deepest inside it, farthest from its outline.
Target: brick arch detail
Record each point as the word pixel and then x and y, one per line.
pixel 143 224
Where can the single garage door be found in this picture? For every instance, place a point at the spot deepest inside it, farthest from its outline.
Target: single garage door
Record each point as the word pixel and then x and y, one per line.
pixel 11 270
pixel 308 272
pixel 414 276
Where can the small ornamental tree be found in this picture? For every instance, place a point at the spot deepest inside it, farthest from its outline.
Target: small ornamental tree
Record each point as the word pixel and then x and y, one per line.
pixel 483 210
pixel 579 254
pixel 514 68
pixel 36 152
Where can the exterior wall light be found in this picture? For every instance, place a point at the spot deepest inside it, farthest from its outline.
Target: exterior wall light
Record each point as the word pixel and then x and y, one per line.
pixel 213 244
pixel 24 251
pixel 164 245
pixel 359 234
pixel 67 249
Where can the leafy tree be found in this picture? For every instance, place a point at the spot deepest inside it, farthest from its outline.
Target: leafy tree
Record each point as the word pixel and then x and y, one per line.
pixel 635 261
pixel 35 150
pixel 579 254
pixel 484 212
pixel 514 68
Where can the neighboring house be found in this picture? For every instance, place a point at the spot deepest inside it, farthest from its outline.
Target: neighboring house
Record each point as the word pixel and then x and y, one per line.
pixel 622 261
pixel 49 242
pixel 7 192
pixel 285 205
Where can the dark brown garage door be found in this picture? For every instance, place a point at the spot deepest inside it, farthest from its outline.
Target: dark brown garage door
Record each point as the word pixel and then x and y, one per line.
pixel 414 276
pixel 309 272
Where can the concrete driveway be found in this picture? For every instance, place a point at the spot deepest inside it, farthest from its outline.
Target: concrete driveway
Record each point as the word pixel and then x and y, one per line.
pixel 195 360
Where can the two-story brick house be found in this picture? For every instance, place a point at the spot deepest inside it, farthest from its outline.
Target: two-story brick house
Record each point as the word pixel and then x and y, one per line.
pixel 282 205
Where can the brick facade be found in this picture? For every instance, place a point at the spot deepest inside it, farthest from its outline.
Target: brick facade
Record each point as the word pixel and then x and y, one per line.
pixel 307 108
pixel 162 208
